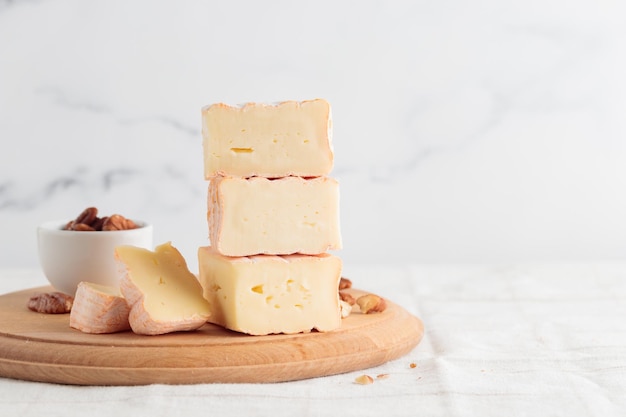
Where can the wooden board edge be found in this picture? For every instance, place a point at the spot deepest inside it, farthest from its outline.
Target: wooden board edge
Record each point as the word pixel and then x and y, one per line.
pixel 406 332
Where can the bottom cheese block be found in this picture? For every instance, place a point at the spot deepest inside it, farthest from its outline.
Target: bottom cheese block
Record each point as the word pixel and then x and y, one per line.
pixel 266 294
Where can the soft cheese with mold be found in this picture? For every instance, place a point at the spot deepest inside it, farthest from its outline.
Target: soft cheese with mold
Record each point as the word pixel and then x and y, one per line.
pixel 99 309
pixel 289 138
pixel 266 294
pixel 281 216
pixel 163 294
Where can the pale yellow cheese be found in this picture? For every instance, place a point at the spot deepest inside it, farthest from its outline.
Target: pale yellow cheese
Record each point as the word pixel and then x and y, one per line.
pixel 163 294
pixel 282 216
pixel 99 309
pixel 289 138
pixel 267 294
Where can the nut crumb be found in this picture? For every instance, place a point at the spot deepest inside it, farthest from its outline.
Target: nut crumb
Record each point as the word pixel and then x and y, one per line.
pixel 371 303
pixel 51 303
pixel 382 376
pixel 364 380
pixel 413 365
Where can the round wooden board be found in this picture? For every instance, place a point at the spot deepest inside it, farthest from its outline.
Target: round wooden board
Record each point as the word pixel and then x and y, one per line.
pixel 42 347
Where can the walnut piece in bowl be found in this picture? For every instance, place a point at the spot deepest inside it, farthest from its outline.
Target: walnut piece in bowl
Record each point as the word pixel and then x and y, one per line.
pixel 82 250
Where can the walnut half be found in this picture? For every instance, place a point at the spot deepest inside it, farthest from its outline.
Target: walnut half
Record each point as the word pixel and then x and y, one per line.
pixel 51 303
pixel 88 220
pixel 371 303
pixel 344 283
pixel 118 222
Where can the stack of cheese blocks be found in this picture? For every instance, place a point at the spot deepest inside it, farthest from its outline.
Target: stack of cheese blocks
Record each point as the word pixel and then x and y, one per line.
pixel 273 215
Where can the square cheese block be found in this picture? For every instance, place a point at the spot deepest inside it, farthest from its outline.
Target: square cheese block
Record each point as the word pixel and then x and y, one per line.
pixel 268 294
pixel 279 217
pixel 288 138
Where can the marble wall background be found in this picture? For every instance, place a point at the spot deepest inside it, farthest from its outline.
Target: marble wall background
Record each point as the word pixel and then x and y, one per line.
pixel 484 131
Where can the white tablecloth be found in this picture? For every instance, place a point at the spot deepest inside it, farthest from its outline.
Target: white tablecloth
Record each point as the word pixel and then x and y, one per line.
pixel 532 340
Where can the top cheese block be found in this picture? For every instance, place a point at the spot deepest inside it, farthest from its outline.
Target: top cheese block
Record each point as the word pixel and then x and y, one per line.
pixel 268 140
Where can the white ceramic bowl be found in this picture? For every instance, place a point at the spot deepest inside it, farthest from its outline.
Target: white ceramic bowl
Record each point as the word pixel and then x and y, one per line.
pixel 68 257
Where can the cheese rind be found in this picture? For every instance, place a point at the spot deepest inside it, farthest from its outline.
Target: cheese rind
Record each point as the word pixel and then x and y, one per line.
pixel 267 294
pixel 99 309
pixel 279 217
pixel 288 138
pixel 163 294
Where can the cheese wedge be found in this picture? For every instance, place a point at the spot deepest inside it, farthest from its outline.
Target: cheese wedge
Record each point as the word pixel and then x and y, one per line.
pixel 99 309
pixel 267 294
pixel 288 138
pixel 164 296
pixel 279 217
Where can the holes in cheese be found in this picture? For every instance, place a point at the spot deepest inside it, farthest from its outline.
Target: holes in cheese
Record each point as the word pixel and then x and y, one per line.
pixel 163 294
pixel 242 150
pixel 267 294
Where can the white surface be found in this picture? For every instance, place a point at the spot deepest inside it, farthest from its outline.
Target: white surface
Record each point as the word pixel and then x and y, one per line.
pixel 484 131
pixel 531 340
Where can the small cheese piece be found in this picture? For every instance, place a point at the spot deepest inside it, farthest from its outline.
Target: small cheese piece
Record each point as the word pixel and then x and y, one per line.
pixel 99 309
pixel 163 294
pixel 267 294
pixel 346 308
pixel 288 138
pixel 279 217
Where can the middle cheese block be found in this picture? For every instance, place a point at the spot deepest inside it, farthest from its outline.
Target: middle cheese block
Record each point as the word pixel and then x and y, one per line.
pixel 267 294
pixel 280 216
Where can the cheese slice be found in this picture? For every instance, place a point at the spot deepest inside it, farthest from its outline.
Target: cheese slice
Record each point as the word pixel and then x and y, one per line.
pixel 281 216
pixel 163 294
pixel 288 138
pixel 267 294
pixel 99 309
